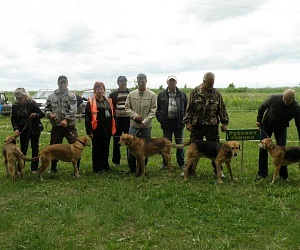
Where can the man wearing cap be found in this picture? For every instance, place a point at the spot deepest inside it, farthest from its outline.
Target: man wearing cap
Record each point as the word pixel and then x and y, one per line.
pixel 122 119
pixel 60 109
pixel 171 106
pixel 205 110
pixel 141 106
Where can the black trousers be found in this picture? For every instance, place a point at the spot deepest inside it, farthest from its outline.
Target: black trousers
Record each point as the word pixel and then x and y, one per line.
pixel 122 126
pixel 100 153
pixel 25 137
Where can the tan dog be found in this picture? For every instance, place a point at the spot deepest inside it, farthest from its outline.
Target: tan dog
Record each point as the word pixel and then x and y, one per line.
pixel 142 148
pixel 218 152
pixel 13 155
pixel 62 152
pixel 282 156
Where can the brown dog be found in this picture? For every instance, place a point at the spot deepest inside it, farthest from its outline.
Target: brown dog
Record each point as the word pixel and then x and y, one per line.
pixel 282 156
pixel 218 152
pixel 13 155
pixel 62 152
pixel 142 148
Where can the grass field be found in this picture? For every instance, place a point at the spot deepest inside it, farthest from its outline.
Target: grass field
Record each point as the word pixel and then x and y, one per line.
pixel 115 211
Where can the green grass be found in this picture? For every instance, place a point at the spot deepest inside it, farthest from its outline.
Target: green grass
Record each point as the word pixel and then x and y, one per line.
pixel 115 211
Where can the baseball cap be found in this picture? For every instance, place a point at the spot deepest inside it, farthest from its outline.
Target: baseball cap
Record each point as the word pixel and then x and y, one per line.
pixel 62 79
pixel 122 79
pixel 172 77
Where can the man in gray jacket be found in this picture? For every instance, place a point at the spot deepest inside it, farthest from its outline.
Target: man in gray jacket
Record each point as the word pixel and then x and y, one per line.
pixel 141 106
pixel 60 109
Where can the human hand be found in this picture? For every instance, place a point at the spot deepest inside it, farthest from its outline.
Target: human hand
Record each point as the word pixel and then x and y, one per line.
pixel 17 132
pixel 223 127
pixel 32 115
pixel 258 124
pixel 91 136
pixel 64 123
pixel 52 116
pixel 138 119
pixel 142 125
pixel 189 127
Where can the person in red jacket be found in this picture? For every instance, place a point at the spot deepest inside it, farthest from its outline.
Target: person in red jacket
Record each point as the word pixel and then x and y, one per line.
pixel 100 126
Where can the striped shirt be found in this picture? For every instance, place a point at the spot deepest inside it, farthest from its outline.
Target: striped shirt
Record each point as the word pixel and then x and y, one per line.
pixel 120 105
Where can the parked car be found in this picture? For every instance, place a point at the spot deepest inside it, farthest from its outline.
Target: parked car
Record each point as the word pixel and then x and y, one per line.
pixel 41 96
pixel 5 105
pixel 90 93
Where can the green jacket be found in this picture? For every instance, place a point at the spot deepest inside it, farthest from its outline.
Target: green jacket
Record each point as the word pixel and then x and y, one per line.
pixel 205 108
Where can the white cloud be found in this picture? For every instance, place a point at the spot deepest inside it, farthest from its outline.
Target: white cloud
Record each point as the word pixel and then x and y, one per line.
pixel 250 44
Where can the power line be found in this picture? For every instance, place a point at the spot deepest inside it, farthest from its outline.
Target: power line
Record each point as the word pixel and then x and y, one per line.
pixel 236 6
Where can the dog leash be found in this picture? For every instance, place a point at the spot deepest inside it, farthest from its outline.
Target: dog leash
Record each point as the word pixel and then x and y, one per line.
pixel 135 134
pixel 264 133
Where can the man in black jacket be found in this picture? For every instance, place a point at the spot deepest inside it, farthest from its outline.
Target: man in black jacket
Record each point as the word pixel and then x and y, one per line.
pixel 274 115
pixel 121 117
pixel 171 106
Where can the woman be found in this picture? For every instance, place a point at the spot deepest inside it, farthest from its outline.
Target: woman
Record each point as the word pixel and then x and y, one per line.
pixel 25 120
pixel 100 126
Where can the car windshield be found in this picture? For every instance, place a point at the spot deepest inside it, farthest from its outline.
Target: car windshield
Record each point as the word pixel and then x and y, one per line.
pixel 42 94
pixel 88 94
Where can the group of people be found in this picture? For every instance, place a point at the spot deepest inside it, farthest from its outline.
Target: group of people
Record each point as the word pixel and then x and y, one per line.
pixel 132 112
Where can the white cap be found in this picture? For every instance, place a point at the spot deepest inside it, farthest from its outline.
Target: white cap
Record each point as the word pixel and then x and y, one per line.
pixel 172 77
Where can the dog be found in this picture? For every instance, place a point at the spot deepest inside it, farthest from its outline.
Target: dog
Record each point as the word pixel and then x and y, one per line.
pixel 142 148
pixel 281 156
pixel 218 152
pixel 13 155
pixel 63 152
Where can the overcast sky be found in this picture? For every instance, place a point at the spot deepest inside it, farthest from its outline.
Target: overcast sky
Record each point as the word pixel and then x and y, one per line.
pixel 249 43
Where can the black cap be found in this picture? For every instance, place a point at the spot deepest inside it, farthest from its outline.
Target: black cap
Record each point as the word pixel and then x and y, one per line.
pixel 62 79
pixel 141 77
pixel 122 79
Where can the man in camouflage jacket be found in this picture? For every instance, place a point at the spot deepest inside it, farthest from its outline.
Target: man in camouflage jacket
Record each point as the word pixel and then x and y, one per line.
pixel 205 110
pixel 60 109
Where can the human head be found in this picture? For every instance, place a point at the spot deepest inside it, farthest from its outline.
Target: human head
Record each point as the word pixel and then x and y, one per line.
pixel 141 80
pixel 62 83
pixel 172 81
pixel 208 80
pixel 122 82
pixel 99 89
pixel 288 96
pixel 21 95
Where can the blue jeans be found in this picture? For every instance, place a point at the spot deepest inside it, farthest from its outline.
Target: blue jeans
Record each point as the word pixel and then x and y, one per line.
pixel 142 133
pixel 178 135
pixel 280 137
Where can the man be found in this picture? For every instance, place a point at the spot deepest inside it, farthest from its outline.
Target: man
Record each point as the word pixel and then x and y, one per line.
pixel 141 106
pixel 205 110
pixel 60 109
pixel 171 106
pixel 274 115
pixel 122 119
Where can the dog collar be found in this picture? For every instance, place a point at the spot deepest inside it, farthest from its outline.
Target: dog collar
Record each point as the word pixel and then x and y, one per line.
pixel 80 142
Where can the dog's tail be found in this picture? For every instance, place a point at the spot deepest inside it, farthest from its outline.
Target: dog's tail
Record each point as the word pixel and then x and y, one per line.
pixel 23 157
pixel 182 145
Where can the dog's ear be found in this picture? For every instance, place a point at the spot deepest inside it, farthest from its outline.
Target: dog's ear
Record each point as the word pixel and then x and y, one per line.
pixel 226 148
